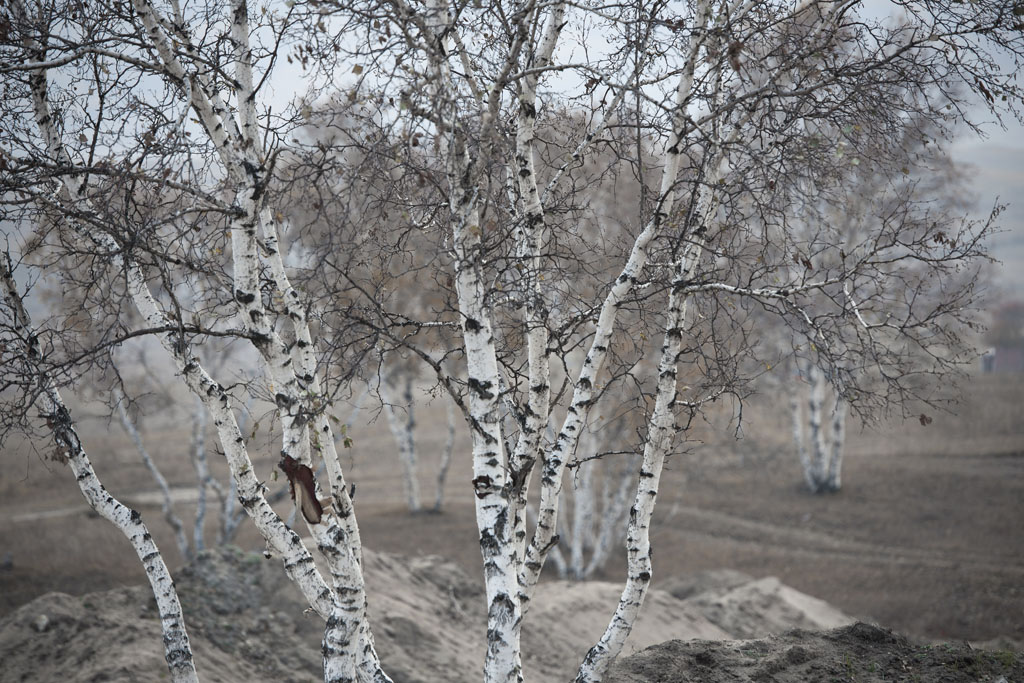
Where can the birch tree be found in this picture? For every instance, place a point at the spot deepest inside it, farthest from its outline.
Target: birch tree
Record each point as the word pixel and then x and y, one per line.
pixel 23 346
pixel 739 121
pixel 820 432
pixel 147 216
pixel 559 279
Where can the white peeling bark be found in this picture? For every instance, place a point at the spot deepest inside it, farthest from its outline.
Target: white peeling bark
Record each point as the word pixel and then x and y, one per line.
pixel 822 466
pixel 296 390
pixel 177 648
pixel 349 580
pixel 502 663
pixel 660 435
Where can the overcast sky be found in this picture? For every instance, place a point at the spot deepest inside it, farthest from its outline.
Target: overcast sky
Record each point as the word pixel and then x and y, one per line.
pixel 998 171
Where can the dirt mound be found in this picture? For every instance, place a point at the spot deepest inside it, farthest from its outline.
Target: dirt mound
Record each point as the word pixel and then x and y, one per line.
pixel 683 586
pixel 566 619
pixel 114 636
pixel 765 607
pixel 860 652
pixel 429 621
pixel 248 622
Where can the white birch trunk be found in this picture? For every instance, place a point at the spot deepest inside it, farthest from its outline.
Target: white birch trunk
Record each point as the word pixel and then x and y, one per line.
pixel 502 663
pixel 349 583
pixel 530 240
pixel 177 649
pixel 835 462
pixel 815 402
pixel 584 388
pixel 638 546
pixel 822 467
pixel 661 425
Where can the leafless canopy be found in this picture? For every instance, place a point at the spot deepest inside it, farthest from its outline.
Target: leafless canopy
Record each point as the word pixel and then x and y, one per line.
pixel 564 211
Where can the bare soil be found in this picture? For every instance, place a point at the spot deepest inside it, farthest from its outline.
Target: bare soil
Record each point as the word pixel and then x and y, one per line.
pixel 862 652
pixel 925 537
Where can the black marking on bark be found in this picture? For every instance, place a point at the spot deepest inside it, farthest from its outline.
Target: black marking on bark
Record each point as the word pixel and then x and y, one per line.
pixel 472 325
pixel 482 486
pixel 244 297
pixel 488 543
pixel 482 388
pixel 177 657
pixel 135 516
pixel 499 523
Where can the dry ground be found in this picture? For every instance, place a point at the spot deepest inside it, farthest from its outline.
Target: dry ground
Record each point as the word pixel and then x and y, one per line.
pixel 246 622
pixel 926 536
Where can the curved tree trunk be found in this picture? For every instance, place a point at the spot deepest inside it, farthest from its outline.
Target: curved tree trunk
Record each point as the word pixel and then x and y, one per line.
pixel 177 649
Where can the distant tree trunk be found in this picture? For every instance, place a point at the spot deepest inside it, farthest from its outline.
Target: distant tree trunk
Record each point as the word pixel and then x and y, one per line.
pixel 165 491
pixel 583 511
pixel 446 454
pixel 403 429
pixel 203 478
pixel 599 505
pixel 822 461
pixel 797 421
pixel 835 462
pixel 615 511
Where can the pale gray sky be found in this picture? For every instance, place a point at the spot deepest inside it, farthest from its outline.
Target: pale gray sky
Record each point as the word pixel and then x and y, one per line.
pixel 998 171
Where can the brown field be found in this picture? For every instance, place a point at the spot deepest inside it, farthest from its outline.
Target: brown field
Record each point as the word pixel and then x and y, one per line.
pixel 927 536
